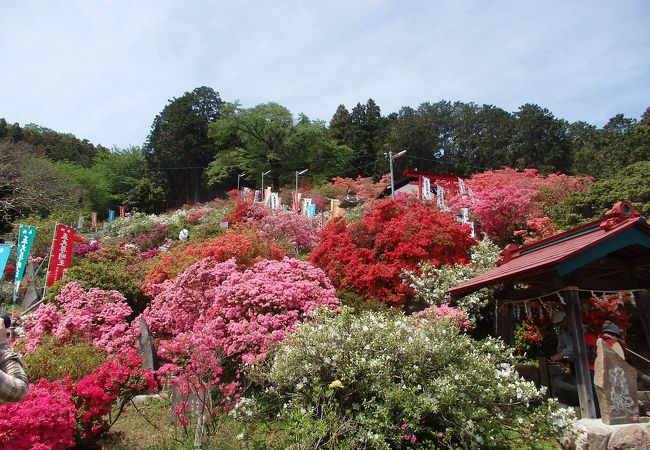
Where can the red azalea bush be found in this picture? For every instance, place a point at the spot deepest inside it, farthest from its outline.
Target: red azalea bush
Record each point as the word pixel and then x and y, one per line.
pixel 54 413
pixel 153 239
pixel 45 420
pixel 508 203
pixel 608 308
pixel 369 255
pixel 95 314
pixel 9 271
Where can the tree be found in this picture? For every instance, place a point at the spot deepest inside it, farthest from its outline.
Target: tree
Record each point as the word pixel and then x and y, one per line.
pixel 265 137
pixel 32 185
pixel 540 141
pixel 178 147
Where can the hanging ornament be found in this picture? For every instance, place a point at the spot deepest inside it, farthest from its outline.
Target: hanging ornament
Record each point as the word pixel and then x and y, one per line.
pixel 559 296
pixel 529 313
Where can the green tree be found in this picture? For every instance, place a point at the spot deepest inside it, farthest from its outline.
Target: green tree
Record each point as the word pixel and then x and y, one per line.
pixel 630 183
pixel 178 147
pixel 266 137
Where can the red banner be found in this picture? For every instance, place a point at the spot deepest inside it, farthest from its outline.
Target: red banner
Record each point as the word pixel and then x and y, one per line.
pixel 61 253
pixel 122 210
pixel 93 220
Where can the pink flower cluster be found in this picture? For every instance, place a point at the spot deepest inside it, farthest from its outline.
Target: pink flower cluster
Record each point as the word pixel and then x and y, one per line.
pixel 297 229
pixel 445 312
pixel 86 247
pixel 97 314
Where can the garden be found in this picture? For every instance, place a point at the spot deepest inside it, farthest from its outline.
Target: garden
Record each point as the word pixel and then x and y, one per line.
pixel 272 329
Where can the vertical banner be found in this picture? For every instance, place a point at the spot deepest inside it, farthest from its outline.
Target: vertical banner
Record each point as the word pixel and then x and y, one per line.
pixel 93 220
pixel 25 240
pixel 426 188
pixel 267 196
pixel 80 223
pixel 111 215
pixel 5 249
pixel 274 200
pixel 61 253
pixel 335 210
pixel 122 211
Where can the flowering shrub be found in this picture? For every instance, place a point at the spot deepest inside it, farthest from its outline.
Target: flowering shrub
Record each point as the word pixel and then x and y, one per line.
pixel 118 379
pixel 431 283
pixel 110 268
pixel 85 247
pixel 153 239
pixel 44 420
pixel 528 339
pixel 369 255
pixel 95 314
pixel 385 379
pixel 507 201
pixel 445 312
pixel 607 308
pixel 240 315
pixel 296 231
pixel 9 271
pixel 246 246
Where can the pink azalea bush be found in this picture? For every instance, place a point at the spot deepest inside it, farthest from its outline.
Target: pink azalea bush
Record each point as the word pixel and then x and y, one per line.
pixel 445 312
pixel 99 315
pixel 236 320
pixel 297 230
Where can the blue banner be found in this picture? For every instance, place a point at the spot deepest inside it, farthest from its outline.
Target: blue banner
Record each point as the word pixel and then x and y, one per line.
pixel 5 249
pixel 111 215
pixel 25 240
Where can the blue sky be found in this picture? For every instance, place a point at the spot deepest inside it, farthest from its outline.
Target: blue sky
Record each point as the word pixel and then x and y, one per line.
pixel 102 70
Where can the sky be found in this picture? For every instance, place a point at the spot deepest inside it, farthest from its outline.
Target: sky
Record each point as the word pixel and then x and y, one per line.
pixel 102 70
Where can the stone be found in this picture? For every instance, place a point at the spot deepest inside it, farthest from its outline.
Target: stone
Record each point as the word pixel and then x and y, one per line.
pixel 588 434
pixel 615 382
pixel 630 437
pixel 147 347
pixel 223 225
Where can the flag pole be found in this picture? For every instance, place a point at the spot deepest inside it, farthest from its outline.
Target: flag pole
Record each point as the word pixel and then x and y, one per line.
pixel 49 259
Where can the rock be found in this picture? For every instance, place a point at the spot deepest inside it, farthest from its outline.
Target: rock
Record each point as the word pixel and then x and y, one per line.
pixel 588 434
pixel 630 437
pixel 615 382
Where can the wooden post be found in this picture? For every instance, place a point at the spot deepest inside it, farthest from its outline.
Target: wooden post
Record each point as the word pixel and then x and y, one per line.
pixel 643 306
pixel 504 322
pixel 581 362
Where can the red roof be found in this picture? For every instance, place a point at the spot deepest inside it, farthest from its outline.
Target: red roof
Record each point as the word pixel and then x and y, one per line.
pixel 543 256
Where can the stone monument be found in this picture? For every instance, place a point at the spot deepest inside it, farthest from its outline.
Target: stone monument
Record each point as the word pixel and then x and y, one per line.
pixel 615 382
pixel 147 347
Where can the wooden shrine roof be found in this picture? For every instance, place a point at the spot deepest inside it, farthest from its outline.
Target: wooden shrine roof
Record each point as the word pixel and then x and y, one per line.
pixel 609 254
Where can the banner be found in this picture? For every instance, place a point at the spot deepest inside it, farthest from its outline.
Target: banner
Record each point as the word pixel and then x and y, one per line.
pixel 80 223
pixel 93 220
pixel 426 188
pixel 25 240
pixel 5 249
pixel 111 215
pixel 122 211
pixel 61 253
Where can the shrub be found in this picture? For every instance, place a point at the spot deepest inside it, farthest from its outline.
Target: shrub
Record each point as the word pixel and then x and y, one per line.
pixel 44 420
pixel 369 255
pixel 297 232
pixel 110 268
pixel 384 381
pixel 94 314
pixel 54 358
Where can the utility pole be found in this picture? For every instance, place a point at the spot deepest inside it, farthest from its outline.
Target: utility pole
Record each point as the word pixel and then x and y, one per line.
pixel 299 173
pixel 391 157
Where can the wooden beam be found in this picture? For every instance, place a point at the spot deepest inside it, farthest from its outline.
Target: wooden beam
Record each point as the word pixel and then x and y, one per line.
pixel 643 306
pixel 504 322
pixel 581 362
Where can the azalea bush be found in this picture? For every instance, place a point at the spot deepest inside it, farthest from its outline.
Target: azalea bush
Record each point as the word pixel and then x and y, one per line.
pixel 238 317
pixel 514 206
pixel 297 232
pixel 382 380
pixel 369 255
pixel 431 283
pixel 110 268
pixel 59 414
pixel 95 314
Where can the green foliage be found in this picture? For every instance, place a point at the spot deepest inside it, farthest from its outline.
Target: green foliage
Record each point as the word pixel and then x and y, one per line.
pixel 265 137
pixel 375 380
pixel 631 184
pixel 54 359
pixel 92 182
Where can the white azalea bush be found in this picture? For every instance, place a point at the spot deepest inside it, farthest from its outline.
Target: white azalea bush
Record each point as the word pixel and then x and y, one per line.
pixel 431 283
pixel 386 380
